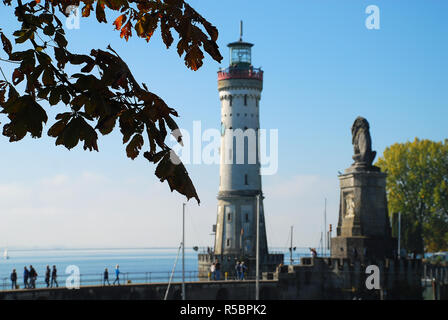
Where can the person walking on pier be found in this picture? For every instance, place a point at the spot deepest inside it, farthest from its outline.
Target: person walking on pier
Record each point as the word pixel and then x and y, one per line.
pixel 217 270
pixel 243 269
pixel 14 279
pixel 26 275
pixel 54 275
pixel 354 254
pixel 238 270
pixel 33 277
pixel 106 277
pixel 117 274
pixel 212 271
pixel 47 276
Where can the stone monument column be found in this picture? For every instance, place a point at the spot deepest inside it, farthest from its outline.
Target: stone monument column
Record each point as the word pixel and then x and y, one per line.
pixel 363 230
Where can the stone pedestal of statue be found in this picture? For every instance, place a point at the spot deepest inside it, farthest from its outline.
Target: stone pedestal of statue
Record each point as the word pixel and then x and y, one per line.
pixel 363 226
pixel 363 229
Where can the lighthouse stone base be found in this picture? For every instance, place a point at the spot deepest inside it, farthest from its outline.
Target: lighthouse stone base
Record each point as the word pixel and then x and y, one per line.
pixel 268 263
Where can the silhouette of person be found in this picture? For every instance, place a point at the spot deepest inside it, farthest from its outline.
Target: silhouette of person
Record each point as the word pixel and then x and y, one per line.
pixel 217 270
pixel 54 275
pixel 26 275
pixel 212 271
pixel 106 277
pixel 243 270
pixel 117 274
pixel 355 253
pixel 13 279
pixel 238 270
pixel 47 276
pixel 33 277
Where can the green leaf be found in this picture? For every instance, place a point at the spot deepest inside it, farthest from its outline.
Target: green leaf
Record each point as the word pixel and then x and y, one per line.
pixel 24 36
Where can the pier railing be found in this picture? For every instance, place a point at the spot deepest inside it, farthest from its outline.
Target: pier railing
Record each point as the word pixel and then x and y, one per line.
pixel 236 73
pixel 95 279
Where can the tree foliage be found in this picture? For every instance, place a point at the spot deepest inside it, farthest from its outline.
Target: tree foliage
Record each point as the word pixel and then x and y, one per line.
pixel 417 186
pixel 104 93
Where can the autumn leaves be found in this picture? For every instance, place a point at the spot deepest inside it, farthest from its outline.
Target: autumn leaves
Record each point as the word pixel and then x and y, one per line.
pixel 104 93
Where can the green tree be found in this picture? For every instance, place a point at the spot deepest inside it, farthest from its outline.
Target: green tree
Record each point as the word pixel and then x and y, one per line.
pixel 104 92
pixel 417 186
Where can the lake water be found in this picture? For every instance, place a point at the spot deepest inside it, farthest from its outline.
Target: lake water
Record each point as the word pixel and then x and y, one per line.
pixel 136 265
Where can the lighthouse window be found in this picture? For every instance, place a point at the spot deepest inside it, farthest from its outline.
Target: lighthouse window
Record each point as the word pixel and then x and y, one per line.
pixel 245 180
pixel 256 102
pixel 247 217
pixel 240 54
pixel 245 99
pixel 229 216
pixel 228 242
pixel 230 100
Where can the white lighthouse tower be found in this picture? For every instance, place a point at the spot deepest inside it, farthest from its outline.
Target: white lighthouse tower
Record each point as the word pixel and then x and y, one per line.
pixel 240 86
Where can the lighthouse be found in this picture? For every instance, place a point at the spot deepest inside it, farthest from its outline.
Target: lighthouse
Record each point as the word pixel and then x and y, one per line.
pixel 240 189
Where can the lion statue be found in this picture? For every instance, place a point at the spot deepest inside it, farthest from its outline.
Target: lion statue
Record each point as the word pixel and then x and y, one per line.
pixel 362 142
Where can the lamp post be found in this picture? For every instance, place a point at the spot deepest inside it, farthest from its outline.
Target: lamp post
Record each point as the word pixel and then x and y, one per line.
pixel 257 256
pixel 183 252
pixel 290 248
pixel 399 235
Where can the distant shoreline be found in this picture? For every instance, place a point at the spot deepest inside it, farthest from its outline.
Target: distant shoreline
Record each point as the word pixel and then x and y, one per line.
pixel 87 248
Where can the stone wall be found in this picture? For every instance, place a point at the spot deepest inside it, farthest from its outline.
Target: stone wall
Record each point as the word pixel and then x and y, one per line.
pixel 314 278
pixel 330 278
pixel 205 290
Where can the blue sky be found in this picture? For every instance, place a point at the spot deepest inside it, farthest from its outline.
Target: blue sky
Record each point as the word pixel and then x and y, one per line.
pixel 323 68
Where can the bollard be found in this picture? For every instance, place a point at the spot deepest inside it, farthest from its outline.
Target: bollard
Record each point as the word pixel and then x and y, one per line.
pixel 225 275
pixel 209 276
pixel 434 289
